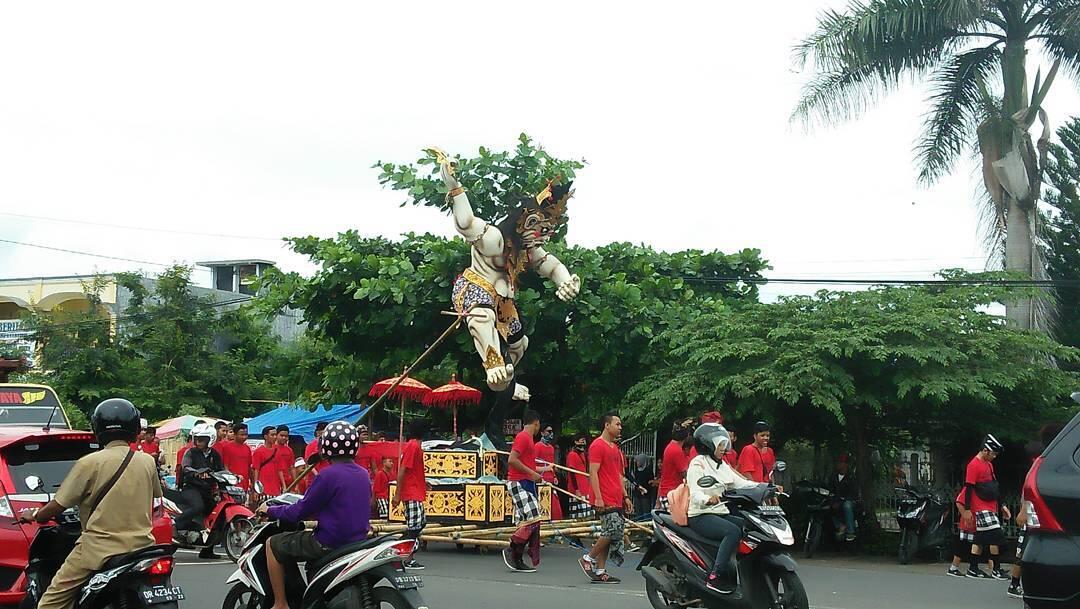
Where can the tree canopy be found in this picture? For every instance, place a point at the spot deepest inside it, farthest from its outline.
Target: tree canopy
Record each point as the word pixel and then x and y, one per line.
pixel 1062 234
pixel 928 360
pixel 169 350
pixel 375 304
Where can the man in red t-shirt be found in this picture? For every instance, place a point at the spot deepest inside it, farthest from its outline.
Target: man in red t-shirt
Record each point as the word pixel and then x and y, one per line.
pixel 981 507
pixel 522 477
pixel 579 484
pixel 147 443
pixel 285 456
pixel 731 457
pixel 545 458
pixel 606 467
pixel 265 468
pixel 412 485
pixel 675 461
pixel 236 454
pixel 756 461
pixel 380 488
pixel 310 451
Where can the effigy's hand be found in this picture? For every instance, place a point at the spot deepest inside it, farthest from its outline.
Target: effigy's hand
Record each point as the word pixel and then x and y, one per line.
pixel 521 393
pixel 447 171
pixel 569 289
pixel 499 376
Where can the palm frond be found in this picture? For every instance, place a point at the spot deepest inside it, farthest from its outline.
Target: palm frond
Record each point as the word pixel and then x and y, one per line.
pixel 1060 34
pixel 878 42
pixel 955 99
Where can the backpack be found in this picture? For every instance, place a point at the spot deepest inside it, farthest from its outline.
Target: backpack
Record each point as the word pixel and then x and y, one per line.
pixel 679 504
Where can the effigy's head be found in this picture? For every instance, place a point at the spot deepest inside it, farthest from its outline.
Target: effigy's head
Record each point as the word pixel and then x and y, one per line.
pixel 536 219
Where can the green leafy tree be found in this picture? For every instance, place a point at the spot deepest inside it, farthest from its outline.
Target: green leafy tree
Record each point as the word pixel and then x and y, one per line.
pixel 1063 230
pixel 168 350
pixel 962 47
pixel 376 305
pixel 496 181
pixel 928 361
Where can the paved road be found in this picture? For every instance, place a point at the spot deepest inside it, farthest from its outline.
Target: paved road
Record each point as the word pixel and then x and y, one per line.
pixel 466 580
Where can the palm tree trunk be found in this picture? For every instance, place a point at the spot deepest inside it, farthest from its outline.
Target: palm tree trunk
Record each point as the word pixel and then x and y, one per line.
pixel 1018 230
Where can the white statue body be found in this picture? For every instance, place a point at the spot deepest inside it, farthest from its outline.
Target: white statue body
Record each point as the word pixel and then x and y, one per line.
pixel 486 290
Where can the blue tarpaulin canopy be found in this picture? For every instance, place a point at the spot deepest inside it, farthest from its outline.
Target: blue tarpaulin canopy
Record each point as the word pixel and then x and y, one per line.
pixel 301 421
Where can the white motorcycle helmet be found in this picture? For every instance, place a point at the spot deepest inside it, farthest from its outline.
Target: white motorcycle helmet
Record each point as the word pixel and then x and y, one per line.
pixel 203 430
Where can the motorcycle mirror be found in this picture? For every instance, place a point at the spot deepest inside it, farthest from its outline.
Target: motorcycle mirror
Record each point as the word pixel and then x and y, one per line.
pixel 258 487
pixel 1076 397
pixel 34 483
pixel 706 482
pixel 781 466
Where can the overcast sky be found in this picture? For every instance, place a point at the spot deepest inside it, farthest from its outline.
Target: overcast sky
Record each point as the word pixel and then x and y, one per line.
pixel 263 120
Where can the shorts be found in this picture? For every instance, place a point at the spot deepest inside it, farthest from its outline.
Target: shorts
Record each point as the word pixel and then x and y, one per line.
pixel 988 529
pixel 663 503
pixel 1021 543
pixel 612 526
pixel 299 546
pixel 526 507
pixel 415 517
pixel 382 506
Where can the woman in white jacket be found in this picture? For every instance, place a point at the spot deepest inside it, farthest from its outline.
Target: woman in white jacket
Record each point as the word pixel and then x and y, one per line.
pixel 709 516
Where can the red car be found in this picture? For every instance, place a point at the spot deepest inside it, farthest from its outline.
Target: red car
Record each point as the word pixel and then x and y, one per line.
pixel 32 451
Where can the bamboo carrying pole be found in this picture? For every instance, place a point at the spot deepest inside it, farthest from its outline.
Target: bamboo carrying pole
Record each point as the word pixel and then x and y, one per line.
pixel 569 494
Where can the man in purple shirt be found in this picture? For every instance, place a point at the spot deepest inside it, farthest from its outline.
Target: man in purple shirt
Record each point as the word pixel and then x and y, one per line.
pixel 332 500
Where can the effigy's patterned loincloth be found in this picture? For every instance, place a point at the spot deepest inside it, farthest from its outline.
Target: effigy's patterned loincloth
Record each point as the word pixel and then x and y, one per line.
pixel 470 289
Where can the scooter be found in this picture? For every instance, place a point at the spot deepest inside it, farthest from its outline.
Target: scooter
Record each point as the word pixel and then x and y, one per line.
pixel 923 522
pixel 139 580
pixel 230 520
pixel 348 577
pixel 678 561
pixel 819 502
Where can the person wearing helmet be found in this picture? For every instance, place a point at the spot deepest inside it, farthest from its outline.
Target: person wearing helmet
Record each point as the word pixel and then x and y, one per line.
pixel 198 491
pixel 708 515
pixel 332 500
pixel 982 504
pixel 115 515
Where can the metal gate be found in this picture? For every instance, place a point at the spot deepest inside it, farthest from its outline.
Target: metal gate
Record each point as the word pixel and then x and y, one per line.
pixel 642 443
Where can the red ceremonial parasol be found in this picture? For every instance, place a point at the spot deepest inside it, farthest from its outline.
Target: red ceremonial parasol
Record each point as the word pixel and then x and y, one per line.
pixel 405 388
pixel 453 394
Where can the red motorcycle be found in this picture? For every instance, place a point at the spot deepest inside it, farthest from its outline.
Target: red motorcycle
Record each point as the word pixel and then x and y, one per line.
pixel 230 521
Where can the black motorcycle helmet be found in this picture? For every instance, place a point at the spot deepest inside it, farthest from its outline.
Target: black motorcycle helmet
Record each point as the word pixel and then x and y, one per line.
pixel 708 436
pixel 115 419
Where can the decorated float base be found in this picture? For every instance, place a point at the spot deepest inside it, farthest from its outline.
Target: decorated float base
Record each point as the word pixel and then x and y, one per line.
pixel 486 503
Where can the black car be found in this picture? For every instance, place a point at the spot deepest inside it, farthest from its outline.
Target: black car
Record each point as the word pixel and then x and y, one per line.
pixel 1051 559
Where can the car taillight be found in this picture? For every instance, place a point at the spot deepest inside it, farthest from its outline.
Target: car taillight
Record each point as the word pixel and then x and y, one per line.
pixel 1039 515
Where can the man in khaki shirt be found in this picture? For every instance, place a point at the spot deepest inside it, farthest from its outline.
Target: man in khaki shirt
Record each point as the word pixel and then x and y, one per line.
pixel 122 521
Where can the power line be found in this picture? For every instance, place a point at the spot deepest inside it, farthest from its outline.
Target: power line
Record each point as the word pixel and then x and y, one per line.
pixel 81 253
pixel 140 228
pixel 912 282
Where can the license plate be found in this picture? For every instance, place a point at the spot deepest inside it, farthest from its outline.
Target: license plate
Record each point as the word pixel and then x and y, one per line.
pixel 408 582
pixel 772 510
pixel 153 595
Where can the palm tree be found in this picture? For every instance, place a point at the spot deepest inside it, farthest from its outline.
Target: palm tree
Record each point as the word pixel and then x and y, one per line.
pixel 967 49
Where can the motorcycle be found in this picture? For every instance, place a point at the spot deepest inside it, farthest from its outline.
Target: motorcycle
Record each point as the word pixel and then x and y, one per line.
pixel 347 577
pixel 139 580
pixel 923 522
pixel 230 520
pixel 819 502
pixel 678 560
